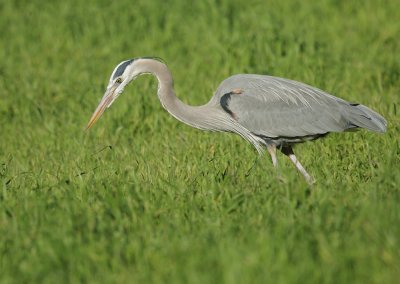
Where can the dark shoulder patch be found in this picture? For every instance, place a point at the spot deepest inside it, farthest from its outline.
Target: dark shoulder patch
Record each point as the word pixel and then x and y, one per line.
pixel 121 68
pixel 224 101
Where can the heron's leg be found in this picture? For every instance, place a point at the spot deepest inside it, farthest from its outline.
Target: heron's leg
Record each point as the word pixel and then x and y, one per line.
pixel 272 151
pixel 288 151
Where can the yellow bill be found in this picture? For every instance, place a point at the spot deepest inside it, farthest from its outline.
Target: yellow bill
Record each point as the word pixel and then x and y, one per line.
pixel 105 102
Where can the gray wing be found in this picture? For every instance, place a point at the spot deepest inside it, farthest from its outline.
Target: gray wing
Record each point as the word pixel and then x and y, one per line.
pixel 277 107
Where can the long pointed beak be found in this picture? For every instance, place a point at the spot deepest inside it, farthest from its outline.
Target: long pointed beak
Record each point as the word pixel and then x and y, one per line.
pixel 105 102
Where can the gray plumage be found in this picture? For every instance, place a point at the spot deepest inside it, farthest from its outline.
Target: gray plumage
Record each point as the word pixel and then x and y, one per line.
pixel 267 111
pixel 287 111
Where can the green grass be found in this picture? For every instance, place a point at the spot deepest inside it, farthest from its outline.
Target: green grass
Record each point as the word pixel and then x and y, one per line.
pixel 143 198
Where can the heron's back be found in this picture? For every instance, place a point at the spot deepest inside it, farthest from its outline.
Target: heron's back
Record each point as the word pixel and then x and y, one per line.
pixel 278 108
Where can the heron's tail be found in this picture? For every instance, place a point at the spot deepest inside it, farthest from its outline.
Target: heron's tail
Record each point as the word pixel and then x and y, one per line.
pixel 364 117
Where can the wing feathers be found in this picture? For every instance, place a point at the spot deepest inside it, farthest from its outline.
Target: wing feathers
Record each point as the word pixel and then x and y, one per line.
pixel 277 107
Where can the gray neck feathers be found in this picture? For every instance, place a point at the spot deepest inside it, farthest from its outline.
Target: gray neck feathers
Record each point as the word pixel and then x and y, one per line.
pixel 200 117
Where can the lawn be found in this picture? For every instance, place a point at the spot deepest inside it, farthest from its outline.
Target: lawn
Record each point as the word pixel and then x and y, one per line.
pixel 143 198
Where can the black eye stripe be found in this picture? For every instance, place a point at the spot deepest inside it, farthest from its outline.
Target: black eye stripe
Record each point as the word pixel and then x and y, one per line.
pixel 121 68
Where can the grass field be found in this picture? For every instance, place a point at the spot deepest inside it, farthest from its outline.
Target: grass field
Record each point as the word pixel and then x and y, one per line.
pixel 143 198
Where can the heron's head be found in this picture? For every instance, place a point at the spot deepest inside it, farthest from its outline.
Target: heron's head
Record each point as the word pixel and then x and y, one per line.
pixel 124 73
pixel 120 77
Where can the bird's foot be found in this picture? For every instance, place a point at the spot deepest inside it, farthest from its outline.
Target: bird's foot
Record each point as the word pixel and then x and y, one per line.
pixel 310 180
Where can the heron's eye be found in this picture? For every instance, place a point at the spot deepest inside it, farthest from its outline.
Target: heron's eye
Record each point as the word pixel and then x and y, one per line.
pixel 119 80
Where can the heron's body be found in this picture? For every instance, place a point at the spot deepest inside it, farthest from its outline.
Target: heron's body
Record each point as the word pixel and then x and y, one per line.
pixel 265 110
pixel 283 111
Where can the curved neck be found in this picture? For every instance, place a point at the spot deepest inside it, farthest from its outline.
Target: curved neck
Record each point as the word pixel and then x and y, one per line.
pixel 200 117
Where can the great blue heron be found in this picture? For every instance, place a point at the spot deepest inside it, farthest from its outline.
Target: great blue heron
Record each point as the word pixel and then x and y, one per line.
pixel 266 111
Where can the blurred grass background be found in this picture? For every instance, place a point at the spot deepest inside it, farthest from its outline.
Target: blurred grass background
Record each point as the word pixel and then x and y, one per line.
pixel 142 198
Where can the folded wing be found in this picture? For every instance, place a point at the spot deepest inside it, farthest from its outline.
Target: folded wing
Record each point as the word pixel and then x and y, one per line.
pixel 277 107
